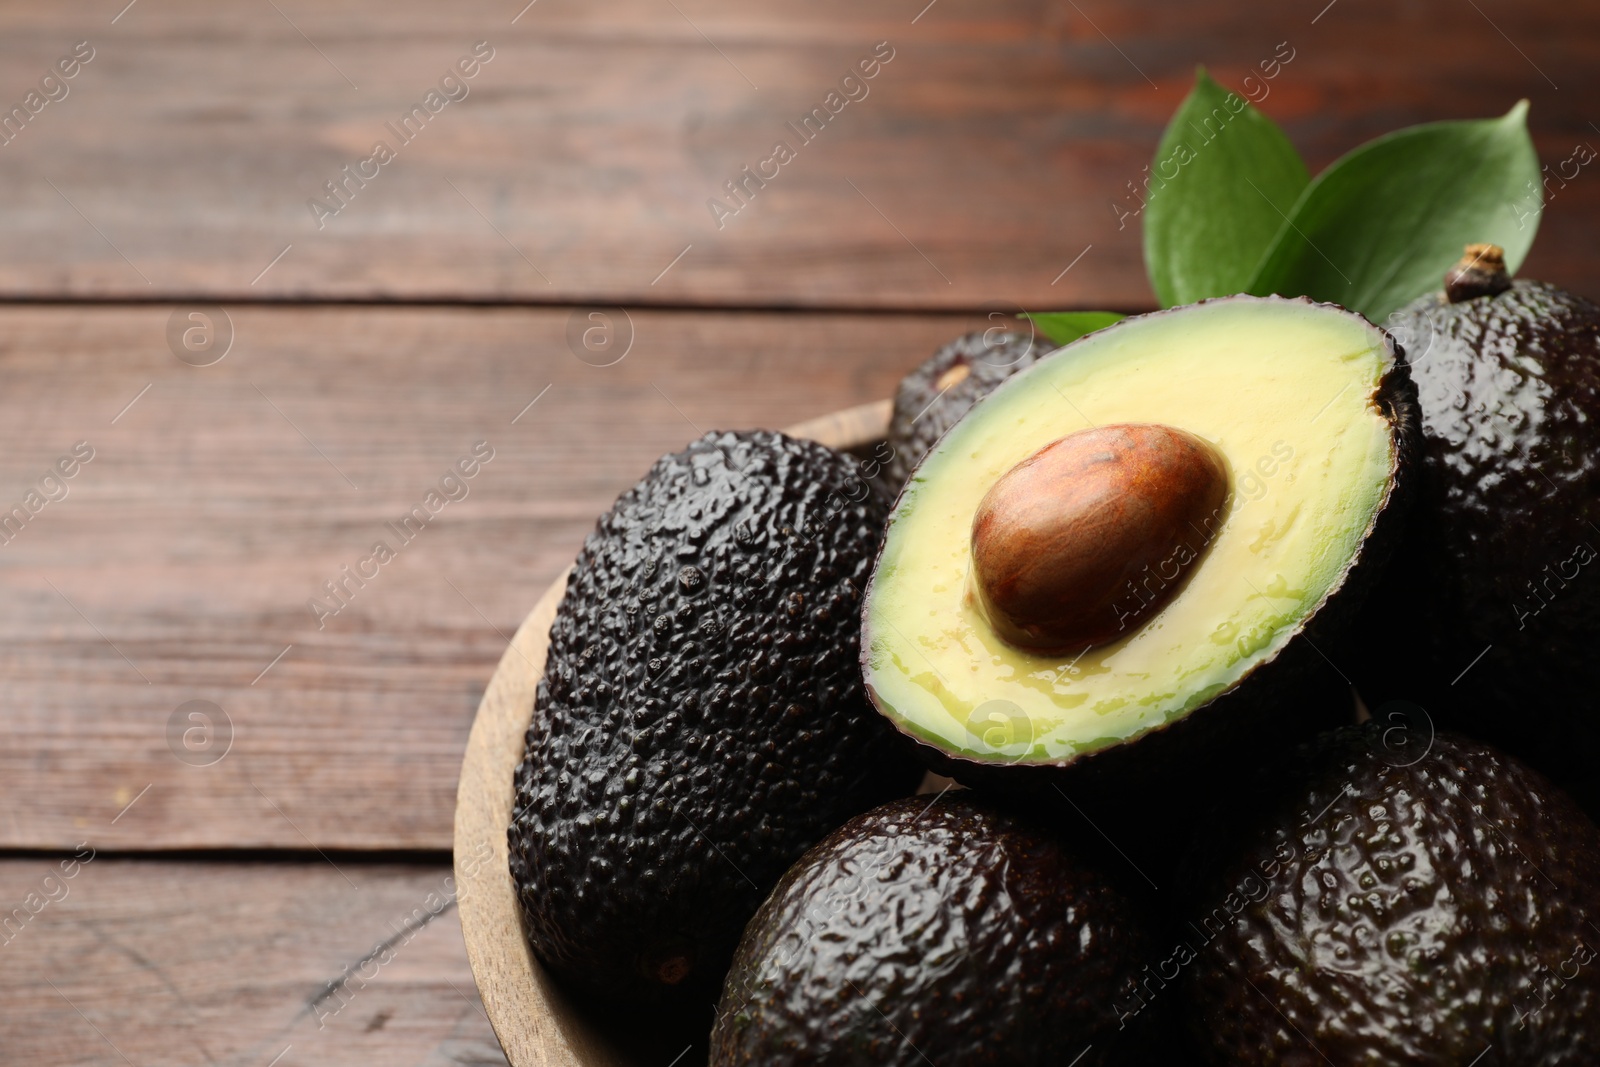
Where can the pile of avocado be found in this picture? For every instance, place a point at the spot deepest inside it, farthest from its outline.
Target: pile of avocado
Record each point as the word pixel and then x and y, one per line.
pixel 1188 621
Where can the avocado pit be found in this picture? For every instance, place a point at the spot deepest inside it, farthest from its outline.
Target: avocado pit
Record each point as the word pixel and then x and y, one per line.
pixel 1087 538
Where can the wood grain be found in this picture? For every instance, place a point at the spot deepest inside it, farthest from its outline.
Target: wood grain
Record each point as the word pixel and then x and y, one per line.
pixel 984 161
pixel 536 1025
pixel 188 964
pixel 177 567
pixel 180 564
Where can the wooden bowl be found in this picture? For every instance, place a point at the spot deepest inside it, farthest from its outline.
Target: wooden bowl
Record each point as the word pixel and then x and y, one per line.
pixel 536 1024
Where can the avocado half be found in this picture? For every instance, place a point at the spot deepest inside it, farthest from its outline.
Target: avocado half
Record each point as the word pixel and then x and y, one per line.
pixel 1313 415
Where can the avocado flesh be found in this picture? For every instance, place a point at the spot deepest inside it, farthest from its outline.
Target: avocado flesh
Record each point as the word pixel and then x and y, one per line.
pixel 1284 389
pixel 941 929
pixel 1391 896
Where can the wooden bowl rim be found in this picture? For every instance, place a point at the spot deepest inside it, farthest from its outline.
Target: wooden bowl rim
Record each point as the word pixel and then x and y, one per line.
pixel 536 1024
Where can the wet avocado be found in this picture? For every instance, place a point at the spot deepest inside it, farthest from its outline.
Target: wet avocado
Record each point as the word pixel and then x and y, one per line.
pixel 938 929
pixel 1494 599
pixel 1399 899
pixel 935 396
pixel 1205 615
pixel 701 720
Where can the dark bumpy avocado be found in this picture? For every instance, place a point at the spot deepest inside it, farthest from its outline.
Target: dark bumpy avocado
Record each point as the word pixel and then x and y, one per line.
pixel 1397 904
pixel 940 930
pixel 701 720
pixel 1312 416
pixel 932 398
pixel 1491 612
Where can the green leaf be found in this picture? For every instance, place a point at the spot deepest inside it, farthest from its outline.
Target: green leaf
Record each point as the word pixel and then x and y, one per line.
pixel 1381 226
pixel 1065 327
pixel 1219 187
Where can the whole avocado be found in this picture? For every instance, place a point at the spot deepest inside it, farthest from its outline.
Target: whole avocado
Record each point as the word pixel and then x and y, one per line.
pixel 701 720
pixel 935 396
pixel 944 930
pixel 1493 600
pixel 1400 898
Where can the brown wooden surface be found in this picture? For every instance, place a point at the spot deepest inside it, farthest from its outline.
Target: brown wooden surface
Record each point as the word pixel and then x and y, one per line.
pixel 193 540
pixel 536 1025
pixel 993 144
pixel 193 963
pixel 983 163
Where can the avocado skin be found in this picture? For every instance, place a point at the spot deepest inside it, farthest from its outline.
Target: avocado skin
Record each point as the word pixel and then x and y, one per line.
pixel 917 422
pixel 1509 491
pixel 701 720
pixel 944 929
pixel 1392 909
pixel 1140 794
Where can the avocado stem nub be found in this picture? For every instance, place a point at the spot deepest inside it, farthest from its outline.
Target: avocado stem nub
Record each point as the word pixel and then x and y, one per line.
pixel 953 377
pixel 1481 272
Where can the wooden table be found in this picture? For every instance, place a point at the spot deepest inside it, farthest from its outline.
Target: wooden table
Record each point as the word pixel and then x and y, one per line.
pixel 267 882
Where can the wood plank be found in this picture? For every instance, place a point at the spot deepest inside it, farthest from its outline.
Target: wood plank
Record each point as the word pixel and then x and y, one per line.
pixel 986 158
pixel 240 964
pixel 180 564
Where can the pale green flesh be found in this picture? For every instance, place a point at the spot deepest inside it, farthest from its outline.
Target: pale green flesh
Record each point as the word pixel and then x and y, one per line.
pixel 1283 389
